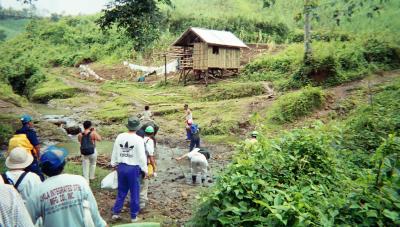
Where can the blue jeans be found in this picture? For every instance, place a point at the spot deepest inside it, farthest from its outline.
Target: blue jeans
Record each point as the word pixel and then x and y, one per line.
pixel 188 134
pixel 194 142
pixel 128 180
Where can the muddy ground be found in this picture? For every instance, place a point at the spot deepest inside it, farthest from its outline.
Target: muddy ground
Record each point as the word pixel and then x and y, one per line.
pixel 172 196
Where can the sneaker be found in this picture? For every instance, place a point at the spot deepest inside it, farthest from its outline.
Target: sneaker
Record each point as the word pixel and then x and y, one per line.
pixel 115 217
pixel 135 219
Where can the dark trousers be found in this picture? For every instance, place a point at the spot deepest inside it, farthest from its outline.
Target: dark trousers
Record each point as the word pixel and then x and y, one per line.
pixel 194 142
pixel 128 180
pixel 188 134
pixel 35 168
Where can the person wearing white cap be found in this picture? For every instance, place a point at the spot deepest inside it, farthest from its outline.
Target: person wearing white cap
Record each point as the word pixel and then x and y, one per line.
pixel 198 164
pixel 23 181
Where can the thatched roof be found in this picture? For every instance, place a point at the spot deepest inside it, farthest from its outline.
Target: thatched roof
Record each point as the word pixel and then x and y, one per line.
pixel 213 37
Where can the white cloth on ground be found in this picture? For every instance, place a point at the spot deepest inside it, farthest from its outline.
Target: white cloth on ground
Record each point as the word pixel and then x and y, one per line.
pixel 129 149
pixel 12 209
pixel 59 200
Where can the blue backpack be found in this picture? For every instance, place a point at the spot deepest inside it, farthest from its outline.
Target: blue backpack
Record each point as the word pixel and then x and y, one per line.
pixel 194 129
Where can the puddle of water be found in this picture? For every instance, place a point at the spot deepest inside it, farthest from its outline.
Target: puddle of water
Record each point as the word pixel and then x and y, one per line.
pixel 73 147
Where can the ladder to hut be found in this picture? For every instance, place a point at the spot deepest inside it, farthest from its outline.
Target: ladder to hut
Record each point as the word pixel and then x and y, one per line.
pixel 185 60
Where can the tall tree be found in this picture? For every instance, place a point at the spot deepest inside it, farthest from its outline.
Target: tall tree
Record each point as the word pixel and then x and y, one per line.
pixel 139 19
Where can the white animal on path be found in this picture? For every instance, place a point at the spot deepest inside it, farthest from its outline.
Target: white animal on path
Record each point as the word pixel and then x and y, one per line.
pixel 86 72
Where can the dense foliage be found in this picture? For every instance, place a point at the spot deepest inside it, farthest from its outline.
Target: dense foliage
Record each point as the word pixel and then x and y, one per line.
pixel 67 42
pixel 312 176
pixel 292 106
pixel 333 63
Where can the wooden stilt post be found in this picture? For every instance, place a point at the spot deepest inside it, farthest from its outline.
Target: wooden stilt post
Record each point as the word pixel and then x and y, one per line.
pixel 206 77
pixel 165 68
pixel 184 77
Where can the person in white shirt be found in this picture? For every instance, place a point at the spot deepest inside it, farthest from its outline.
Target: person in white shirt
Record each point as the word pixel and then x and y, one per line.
pixel 63 200
pixel 146 115
pixel 129 158
pixel 18 159
pixel 198 164
pixel 12 209
pixel 149 144
pixel 188 119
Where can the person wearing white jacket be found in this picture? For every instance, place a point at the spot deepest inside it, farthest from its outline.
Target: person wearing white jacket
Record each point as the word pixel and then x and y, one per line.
pixel 18 159
pixel 129 158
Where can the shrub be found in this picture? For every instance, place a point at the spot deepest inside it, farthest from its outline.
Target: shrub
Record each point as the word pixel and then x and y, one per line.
pixel 376 121
pixel 5 134
pixel 291 106
pixel 220 127
pixel 7 94
pixel 381 52
pixel 326 36
pixel 288 181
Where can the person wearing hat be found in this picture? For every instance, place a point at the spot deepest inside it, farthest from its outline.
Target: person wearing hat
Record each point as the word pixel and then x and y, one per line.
pixel 26 137
pixel 198 164
pixel 149 144
pixel 253 138
pixel 129 158
pixel 24 182
pixel 62 200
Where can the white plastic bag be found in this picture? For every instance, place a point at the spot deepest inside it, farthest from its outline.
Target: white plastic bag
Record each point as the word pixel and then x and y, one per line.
pixel 110 181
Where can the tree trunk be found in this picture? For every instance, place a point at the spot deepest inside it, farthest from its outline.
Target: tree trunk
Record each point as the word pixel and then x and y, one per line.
pixel 307 32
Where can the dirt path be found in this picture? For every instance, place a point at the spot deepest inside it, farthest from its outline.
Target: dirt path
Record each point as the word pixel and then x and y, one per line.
pixel 340 93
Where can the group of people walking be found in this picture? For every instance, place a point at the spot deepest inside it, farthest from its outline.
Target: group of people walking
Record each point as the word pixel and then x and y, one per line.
pixel 27 198
pixel 67 199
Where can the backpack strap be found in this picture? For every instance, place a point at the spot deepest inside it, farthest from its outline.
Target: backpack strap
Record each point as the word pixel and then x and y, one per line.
pixel 20 180
pixel 5 178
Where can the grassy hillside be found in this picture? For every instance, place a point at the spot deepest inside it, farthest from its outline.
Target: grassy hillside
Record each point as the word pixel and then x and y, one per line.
pixel 13 27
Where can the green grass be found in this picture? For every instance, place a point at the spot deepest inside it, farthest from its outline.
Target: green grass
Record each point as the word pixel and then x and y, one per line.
pixel 53 88
pixel 13 27
pixel 333 63
pixel 292 106
pixel 8 95
pixel 232 91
